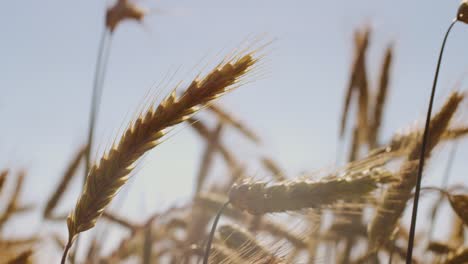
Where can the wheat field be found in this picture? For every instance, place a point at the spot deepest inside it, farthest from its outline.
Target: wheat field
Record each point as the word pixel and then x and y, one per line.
pixel 360 207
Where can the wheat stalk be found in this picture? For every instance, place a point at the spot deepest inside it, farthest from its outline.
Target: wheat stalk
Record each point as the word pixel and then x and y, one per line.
pixel 112 171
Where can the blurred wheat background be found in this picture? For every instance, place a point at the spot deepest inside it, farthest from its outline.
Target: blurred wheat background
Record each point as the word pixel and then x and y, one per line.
pixel 47 60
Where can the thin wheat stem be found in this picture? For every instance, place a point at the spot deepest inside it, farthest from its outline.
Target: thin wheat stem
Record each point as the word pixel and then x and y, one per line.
pixel 414 214
pixel 99 74
pixel 212 232
pixel 65 252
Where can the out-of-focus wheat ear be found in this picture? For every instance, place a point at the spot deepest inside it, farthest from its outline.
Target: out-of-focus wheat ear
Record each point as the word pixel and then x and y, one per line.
pixel 361 44
pixel 396 196
pixel 380 99
pixel 121 11
pixel 61 188
pixel 273 167
pixel 23 258
pixel 259 198
pixel 13 203
pixel 230 119
pixel 212 143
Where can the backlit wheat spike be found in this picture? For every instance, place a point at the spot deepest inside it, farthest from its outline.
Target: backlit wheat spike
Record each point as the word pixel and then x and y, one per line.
pixel 66 179
pixel 396 196
pixel 108 175
pixel 259 198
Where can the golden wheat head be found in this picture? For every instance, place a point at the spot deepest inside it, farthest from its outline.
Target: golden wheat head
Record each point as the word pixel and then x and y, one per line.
pixel 112 171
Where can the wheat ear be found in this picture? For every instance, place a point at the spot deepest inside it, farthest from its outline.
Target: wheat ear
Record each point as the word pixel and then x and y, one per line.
pixel 112 171
pixel 259 198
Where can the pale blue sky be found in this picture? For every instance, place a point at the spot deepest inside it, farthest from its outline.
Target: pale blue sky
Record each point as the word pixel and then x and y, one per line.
pixel 48 50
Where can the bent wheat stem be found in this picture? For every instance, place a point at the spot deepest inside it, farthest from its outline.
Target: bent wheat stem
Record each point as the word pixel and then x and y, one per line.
pixel 206 256
pixel 414 213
